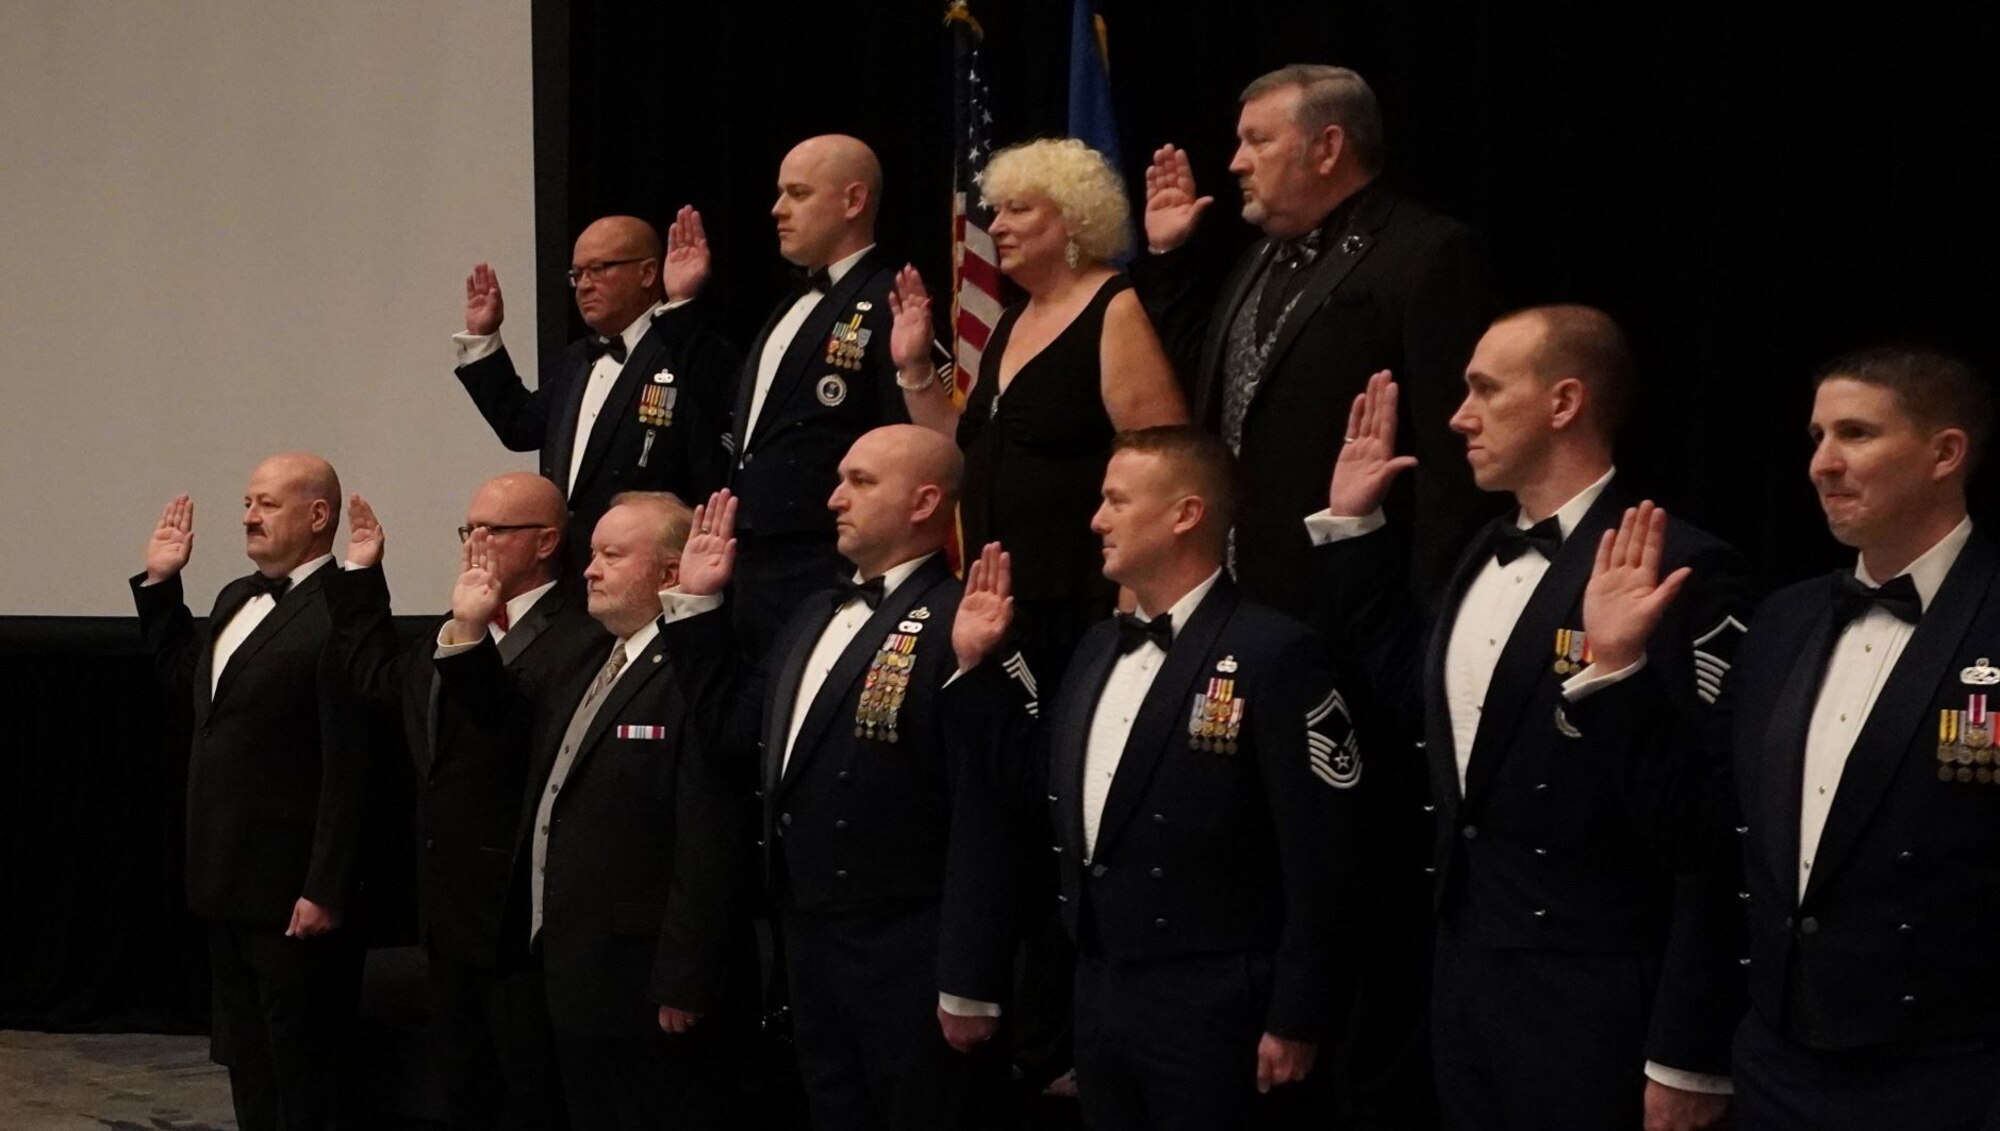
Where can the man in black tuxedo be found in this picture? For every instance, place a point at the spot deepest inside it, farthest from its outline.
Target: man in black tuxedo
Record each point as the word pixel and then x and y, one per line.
pixel 1858 713
pixel 1202 777
pixel 629 855
pixel 817 376
pixel 891 764
pixel 1349 278
pixel 275 792
pixel 489 1017
pixel 1567 874
pixel 638 403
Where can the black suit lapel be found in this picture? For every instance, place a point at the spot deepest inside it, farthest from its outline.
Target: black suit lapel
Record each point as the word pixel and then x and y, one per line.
pixel 1163 711
pixel 637 372
pixel 1439 742
pixel 650 663
pixel 296 598
pixel 839 694
pixel 796 649
pixel 1781 765
pixel 746 384
pixel 1336 261
pixel 228 603
pixel 1903 705
pixel 1208 399
pixel 803 355
pixel 561 447
pixel 1524 661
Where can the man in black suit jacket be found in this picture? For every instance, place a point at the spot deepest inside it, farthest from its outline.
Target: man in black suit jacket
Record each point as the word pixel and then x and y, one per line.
pixel 817 376
pixel 638 404
pixel 629 856
pixel 1350 278
pixel 275 792
pixel 1858 713
pixel 1567 873
pixel 1202 778
pixel 489 1017
pixel 891 768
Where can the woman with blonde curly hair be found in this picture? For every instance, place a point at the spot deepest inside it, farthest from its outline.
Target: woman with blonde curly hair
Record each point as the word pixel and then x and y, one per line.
pixel 1065 370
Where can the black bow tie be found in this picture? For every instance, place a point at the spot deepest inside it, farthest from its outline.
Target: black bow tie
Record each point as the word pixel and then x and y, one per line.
pixel 817 279
pixel 1133 632
pixel 1898 595
pixel 869 592
pixel 272 587
pixel 1510 542
pixel 597 347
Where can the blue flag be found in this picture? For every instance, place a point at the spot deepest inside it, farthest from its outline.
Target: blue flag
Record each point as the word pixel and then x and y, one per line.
pixel 1090 117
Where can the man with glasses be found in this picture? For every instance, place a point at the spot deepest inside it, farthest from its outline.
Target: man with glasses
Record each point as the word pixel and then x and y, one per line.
pixel 633 404
pixel 489 1018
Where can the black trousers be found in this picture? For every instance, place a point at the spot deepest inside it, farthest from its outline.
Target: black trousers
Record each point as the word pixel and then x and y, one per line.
pixel 1170 1045
pixel 864 1020
pixel 642 1083
pixel 1781 1084
pixel 1539 1040
pixel 773 574
pixel 495 1049
pixel 283 1010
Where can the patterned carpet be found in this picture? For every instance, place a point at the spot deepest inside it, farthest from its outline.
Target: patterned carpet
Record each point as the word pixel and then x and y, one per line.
pixel 127 1082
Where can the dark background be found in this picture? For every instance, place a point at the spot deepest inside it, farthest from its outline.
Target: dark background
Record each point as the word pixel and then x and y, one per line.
pixel 1750 195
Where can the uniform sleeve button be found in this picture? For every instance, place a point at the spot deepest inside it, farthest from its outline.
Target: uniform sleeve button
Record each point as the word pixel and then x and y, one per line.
pixel 1157 873
pixel 840 824
pixel 1159 924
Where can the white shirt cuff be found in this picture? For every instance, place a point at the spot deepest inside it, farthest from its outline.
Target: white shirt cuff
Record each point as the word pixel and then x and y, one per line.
pixel 444 649
pixel 1690 1081
pixel 1326 527
pixel 1594 679
pixel 676 605
pixel 966 1007
pixel 475 347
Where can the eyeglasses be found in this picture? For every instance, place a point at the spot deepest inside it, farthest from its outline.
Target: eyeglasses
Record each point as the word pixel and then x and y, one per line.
pixel 596 270
pixel 465 532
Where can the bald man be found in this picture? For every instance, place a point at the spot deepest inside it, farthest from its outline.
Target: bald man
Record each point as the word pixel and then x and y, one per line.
pixel 887 767
pixel 274 793
pixel 636 404
pixel 817 376
pixel 489 1018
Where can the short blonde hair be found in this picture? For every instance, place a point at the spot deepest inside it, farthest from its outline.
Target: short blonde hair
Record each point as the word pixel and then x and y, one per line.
pixel 676 518
pixel 1082 184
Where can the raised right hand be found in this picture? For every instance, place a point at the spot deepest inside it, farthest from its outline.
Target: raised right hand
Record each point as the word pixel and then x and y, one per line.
pixel 985 608
pixel 1368 462
pixel 1172 208
pixel 910 333
pixel 365 540
pixel 709 558
pixel 476 597
pixel 172 543
pixel 483 308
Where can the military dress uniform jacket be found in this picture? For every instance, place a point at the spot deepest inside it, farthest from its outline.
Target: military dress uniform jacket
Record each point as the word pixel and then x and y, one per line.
pixel 470 771
pixel 1891 941
pixel 645 859
pixel 1227 826
pixel 835 382
pixel 1395 286
pixel 658 429
pixel 1567 836
pixel 276 778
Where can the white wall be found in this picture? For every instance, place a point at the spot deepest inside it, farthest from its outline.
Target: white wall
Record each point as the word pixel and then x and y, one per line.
pixel 234 227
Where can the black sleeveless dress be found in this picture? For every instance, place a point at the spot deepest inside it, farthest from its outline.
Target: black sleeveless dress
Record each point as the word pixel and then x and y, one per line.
pixel 1034 464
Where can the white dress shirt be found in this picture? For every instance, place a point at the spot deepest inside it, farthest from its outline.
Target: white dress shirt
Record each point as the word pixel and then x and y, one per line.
pixel 833 640
pixel 597 385
pixel 782 333
pixel 518 608
pixel 231 636
pixel 1862 659
pixel 1125 690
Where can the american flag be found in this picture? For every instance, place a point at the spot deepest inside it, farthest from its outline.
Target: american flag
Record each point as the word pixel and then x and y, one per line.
pixel 975 266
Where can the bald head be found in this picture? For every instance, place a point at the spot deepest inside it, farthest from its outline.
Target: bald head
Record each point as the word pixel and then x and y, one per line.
pixel 616 266
pixel 290 512
pixel 829 188
pixel 894 500
pixel 523 515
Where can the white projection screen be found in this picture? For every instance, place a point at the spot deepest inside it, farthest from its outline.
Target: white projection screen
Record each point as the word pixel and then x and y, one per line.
pixel 235 227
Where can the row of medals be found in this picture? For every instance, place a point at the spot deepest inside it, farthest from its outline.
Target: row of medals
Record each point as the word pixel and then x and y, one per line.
pixel 844 345
pixel 656 405
pixel 1217 719
pixel 1572 651
pixel 1965 749
pixel 887 682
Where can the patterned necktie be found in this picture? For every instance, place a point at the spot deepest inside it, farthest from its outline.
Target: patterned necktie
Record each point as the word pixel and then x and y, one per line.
pixel 612 667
